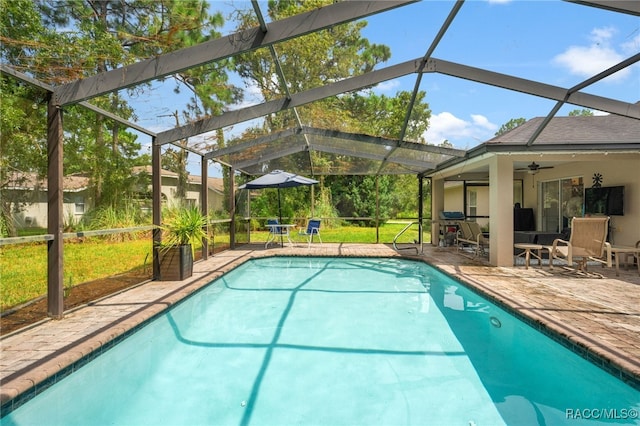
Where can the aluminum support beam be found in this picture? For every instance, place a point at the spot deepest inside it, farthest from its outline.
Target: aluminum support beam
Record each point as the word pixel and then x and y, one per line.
pixel 416 87
pixel 374 157
pixel 576 88
pixel 221 48
pixel 271 137
pixel 396 71
pixel 156 191
pixel 271 155
pixel 233 117
pixel 204 202
pixel 284 86
pixel 333 134
pixel 632 7
pixel 232 208
pixel 27 79
pixel 376 140
pixel 55 212
pixel 534 88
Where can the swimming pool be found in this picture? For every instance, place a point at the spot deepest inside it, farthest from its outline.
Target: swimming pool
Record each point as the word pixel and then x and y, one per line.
pixel 334 341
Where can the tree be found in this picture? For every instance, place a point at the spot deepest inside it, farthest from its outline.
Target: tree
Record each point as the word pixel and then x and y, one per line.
pixel 581 113
pixel 23 146
pixel 510 125
pixel 58 41
pixel 322 58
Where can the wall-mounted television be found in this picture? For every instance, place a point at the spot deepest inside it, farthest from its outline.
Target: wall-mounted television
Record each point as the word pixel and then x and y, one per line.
pixel 606 200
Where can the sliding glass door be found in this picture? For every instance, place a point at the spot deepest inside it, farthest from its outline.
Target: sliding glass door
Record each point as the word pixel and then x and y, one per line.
pixel 559 201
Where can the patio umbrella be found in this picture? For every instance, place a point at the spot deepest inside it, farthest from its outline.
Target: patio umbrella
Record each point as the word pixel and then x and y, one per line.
pixel 278 179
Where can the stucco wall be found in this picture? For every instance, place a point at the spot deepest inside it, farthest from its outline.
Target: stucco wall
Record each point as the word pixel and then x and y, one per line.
pixel 616 170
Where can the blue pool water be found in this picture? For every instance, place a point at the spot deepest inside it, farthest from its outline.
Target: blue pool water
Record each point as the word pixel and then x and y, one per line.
pixel 334 341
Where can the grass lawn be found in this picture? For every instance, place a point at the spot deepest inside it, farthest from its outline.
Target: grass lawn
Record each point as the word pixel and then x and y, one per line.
pixel 23 268
pixel 356 234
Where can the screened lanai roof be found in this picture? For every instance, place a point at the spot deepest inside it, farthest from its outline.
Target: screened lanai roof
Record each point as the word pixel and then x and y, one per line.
pixel 331 152
pixel 427 62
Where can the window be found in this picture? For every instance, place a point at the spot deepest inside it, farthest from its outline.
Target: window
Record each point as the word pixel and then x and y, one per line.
pixel 477 202
pixel 79 207
pixel 472 203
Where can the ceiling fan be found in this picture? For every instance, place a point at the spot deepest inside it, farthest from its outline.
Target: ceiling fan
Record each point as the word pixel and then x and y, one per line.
pixel 533 168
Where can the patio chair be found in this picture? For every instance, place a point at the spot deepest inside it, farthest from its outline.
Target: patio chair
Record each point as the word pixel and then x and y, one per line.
pixel 313 228
pixel 588 242
pixel 470 234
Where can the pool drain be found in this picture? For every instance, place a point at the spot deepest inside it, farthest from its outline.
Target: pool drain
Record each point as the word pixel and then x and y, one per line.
pixel 495 322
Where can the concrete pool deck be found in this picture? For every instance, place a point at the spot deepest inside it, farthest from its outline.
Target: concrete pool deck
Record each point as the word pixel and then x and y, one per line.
pixel 599 318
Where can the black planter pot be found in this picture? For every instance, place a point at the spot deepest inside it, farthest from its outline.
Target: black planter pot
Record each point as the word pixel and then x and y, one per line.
pixel 175 263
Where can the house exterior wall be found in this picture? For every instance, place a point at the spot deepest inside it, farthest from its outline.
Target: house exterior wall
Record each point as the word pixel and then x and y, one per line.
pixel 616 169
pixel 454 200
pixel 453 197
pixel 76 203
pixel 215 199
pixel 34 214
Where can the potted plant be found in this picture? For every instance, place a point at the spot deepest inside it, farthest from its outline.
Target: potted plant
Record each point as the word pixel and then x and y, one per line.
pixel 183 227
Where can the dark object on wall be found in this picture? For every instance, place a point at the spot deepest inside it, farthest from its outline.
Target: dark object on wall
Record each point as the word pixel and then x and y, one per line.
pixel 523 220
pixel 605 200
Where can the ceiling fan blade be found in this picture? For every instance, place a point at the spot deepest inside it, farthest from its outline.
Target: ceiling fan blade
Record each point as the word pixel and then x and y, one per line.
pixel 533 167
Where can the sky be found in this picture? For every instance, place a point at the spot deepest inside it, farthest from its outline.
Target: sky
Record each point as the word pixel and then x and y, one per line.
pixel 553 42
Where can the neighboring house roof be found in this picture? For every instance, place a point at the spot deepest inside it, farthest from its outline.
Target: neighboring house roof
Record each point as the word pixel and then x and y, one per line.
pixel 213 183
pixel 30 181
pixel 216 184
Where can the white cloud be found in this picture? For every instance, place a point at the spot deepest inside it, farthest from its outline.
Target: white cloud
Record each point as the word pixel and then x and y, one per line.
pixel 602 35
pixel 387 86
pixel 461 133
pixel 586 61
pixel 632 46
pixel 482 121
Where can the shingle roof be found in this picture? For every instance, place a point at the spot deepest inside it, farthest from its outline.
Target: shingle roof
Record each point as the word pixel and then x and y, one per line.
pixel 214 183
pixel 574 130
pixel 30 181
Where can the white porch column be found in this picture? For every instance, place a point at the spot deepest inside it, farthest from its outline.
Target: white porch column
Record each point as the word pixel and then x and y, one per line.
pixel 501 210
pixel 437 205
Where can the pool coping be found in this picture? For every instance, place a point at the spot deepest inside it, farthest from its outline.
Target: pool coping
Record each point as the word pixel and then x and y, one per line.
pixel 26 383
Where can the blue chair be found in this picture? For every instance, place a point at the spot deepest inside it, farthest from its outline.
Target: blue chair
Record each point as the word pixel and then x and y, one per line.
pixel 313 228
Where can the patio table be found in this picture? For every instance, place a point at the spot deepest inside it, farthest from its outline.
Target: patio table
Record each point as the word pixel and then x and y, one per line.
pixel 279 230
pixel 527 252
pixel 616 251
